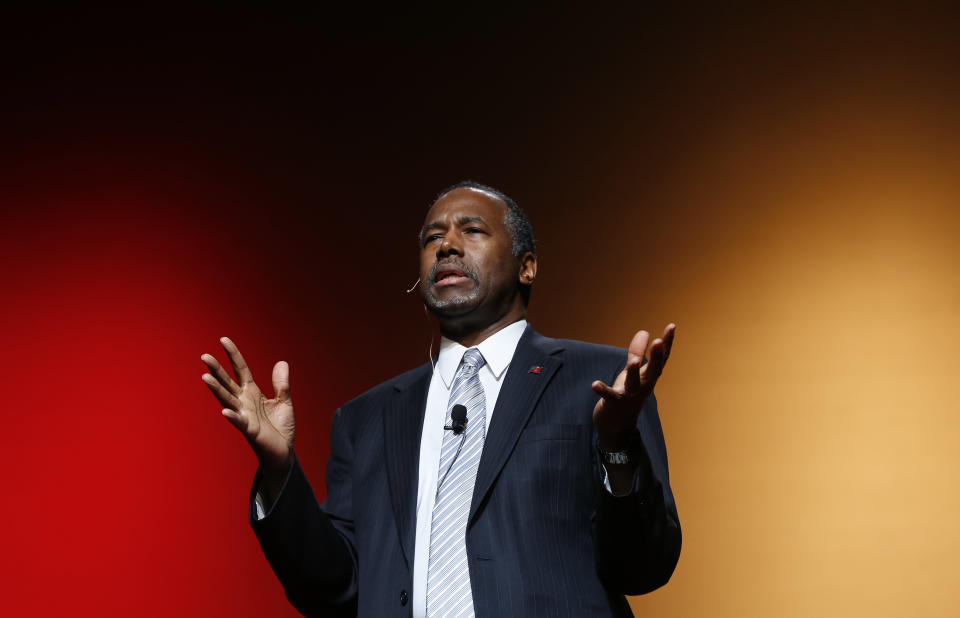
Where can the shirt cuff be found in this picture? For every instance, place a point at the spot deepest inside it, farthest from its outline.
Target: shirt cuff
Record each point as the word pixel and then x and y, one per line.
pixel 261 511
pixel 606 483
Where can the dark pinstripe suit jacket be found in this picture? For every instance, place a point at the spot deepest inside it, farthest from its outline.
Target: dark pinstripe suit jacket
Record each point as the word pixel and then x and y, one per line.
pixel 543 538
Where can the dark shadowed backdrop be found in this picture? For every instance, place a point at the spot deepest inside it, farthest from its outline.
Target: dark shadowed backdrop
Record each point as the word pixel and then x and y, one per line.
pixel 781 182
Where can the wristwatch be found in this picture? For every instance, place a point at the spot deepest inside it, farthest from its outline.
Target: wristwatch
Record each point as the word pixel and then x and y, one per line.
pixel 630 454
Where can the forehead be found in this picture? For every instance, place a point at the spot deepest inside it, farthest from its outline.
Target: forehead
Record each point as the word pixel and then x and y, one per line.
pixel 467 202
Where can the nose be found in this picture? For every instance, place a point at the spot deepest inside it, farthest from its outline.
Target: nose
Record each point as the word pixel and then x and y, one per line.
pixel 450 245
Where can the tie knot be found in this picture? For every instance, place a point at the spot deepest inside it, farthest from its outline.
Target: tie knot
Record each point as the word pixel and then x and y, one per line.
pixel 473 359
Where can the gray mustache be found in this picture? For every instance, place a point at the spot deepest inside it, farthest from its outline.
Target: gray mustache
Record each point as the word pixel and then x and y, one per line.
pixel 455 264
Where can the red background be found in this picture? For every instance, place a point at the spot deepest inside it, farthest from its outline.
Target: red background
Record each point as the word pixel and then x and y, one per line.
pixel 781 182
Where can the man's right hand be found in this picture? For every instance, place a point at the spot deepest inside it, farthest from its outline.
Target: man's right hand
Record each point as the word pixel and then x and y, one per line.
pixel 266 423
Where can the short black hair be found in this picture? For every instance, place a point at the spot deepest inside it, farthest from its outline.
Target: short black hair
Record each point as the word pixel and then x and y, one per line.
pixel 515 220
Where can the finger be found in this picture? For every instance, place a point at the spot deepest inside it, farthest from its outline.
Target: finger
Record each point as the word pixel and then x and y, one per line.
pixel 240 368
pixel 668 334
pixel 223 395
pixel 632 382
pixel 281 381
pixel 638 345
pixel 654 367
pixel 236 419
pixel 220 373
pixel 607 392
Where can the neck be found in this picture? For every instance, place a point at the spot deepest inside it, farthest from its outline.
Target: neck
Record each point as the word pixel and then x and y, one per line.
pixel 470 335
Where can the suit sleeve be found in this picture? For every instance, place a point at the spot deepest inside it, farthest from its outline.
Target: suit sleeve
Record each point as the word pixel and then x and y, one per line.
pixel 311 547
pixel 638 535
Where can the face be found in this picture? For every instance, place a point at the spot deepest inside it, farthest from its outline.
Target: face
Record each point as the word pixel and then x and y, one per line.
pixel 467 267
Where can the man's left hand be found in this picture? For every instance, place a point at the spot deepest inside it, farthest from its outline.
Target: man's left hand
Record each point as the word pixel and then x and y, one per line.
pixel 615 415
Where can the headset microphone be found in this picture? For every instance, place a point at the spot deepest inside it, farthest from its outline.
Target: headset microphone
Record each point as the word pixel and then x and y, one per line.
pixel 414 286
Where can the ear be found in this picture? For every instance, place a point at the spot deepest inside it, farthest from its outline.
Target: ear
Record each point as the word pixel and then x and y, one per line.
pixel 528 268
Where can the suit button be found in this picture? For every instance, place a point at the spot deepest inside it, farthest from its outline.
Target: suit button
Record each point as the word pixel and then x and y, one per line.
pixel 403 597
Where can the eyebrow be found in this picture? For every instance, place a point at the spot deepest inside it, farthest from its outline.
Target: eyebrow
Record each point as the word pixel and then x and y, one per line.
pixel 461 221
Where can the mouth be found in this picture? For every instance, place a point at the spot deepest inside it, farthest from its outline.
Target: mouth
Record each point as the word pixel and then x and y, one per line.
pixel 449 276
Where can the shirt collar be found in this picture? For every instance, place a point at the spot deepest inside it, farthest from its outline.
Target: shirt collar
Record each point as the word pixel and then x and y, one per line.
pixel 497 351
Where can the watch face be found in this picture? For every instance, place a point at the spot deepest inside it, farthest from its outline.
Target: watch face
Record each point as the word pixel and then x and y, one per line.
pixel 620 457
pixel 627 456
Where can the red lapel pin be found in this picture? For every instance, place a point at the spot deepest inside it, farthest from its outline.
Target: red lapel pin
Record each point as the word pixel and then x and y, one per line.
pixel 536 369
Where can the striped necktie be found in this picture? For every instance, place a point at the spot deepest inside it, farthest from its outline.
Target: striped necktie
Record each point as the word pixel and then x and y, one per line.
pixel 448 575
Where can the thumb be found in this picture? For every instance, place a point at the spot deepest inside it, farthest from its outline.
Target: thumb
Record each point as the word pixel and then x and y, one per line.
pixel 281 381
pixel 606 392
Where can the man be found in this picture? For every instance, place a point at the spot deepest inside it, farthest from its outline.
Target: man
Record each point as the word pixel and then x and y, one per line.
pixel 478 484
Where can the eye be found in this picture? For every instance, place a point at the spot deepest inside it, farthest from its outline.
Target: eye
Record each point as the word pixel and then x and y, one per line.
pixel 429 239
pixel 473 230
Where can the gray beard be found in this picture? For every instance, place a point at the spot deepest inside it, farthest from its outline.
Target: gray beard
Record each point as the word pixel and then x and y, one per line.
pixel 440 307
pixel 437 305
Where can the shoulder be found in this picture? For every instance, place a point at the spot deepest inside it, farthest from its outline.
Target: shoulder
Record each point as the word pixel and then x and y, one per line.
pixel 579 353
pixel 572 347
pixel 597 350
pixel 404 381
pixel 362 412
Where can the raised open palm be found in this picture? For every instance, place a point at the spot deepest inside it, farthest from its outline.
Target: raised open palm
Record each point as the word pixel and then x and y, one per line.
pixel 615 414
pixel 266 423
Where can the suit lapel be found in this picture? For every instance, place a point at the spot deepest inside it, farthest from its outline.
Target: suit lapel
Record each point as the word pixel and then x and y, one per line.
pixel 402 428
pixel 518 397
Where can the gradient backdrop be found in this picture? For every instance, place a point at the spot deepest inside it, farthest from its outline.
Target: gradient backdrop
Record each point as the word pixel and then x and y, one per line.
pixel 782 183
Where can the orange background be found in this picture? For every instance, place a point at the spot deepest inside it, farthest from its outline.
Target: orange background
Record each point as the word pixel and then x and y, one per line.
pixel 781 183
